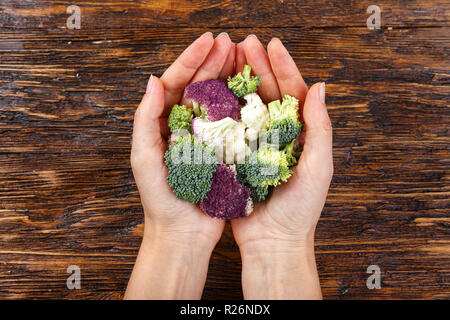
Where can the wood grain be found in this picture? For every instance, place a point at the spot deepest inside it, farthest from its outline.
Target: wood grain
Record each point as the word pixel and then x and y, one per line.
pixel 223 13
pixel 67 99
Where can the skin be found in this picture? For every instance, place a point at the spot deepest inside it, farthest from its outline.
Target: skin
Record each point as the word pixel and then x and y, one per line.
pixel 277 240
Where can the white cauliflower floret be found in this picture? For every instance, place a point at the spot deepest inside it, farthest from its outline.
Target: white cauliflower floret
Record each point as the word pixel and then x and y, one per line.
pixel 236 148
pixel 212 133
pixel 226 136
pixel 255 116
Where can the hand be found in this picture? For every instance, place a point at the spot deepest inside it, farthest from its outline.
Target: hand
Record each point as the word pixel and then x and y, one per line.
pixel 205 59
pixel 280 231
pixel 177 226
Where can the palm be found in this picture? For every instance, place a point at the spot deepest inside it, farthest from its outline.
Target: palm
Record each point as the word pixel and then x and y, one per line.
pixel 287 211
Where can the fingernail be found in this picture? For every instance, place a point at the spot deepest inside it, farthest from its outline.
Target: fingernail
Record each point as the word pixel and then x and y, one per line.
pixel 274 39
pixel 209 32
pixel 322 92
pixel 223 33
pixel 251 35
pixel 149 84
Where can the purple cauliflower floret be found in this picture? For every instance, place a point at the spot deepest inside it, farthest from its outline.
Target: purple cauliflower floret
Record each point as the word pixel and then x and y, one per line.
pixel 214 98
pixel 227 198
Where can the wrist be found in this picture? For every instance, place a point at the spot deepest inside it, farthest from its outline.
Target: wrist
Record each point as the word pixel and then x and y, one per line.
pixel 170 266
pixel 192 244
pixel 280 270
pixel 292 244
pixel 178 255
pixel 179 237
pixel 276 253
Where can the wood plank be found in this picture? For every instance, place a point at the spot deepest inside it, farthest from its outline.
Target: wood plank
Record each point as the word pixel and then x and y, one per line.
pixel 223 13
pixel 67 194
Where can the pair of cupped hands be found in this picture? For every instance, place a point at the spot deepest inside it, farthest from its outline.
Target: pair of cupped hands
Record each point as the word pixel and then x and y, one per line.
pixel 288 217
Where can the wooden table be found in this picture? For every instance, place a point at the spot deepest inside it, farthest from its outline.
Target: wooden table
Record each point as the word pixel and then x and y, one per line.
pixel 67 99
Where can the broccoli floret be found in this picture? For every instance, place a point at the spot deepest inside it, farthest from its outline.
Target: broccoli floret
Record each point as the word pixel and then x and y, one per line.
pixel 191 166
pixel 243 83
pixel 258 193
pixel 284 124
pixel 177 134
pixel 180 118
pixel 292 152
pixel 212 98
pixel 227 199
pixel 265 167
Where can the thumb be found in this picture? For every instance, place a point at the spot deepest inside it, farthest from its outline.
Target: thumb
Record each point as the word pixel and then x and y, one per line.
pixel 318 137
pixel 147 139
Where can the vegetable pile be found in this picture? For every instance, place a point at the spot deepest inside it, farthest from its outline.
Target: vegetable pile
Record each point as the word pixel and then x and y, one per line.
pixel 224 156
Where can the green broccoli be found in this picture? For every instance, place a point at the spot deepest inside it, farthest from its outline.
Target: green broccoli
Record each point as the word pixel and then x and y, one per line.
pixel 191 166
pixel 264 167
pixel 180 118
pixel 243 83
pixel 284 124
pixel 293 152
pixel 258 193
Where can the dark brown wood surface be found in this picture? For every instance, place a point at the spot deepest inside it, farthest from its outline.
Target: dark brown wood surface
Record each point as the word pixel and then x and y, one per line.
pixel 67 99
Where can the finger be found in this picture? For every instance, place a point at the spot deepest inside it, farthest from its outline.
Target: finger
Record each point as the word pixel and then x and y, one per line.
pixel 259 61
pixel 147 137
pixel 241 61
pixel 211 67
pixel 288 76
pixel 180 73
pixel 317 149
pixel 228 67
